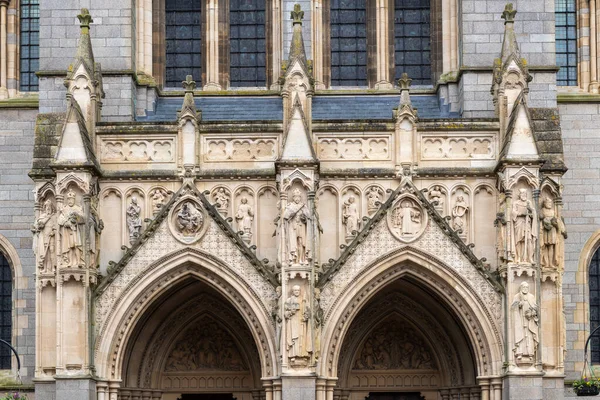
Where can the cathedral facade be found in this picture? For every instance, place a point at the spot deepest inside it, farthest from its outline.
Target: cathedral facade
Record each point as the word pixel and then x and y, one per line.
pixel 274 200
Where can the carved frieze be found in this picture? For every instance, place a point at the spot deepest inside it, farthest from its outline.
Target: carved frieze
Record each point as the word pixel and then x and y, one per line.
pixel 158 150
pixel 240 149
pixel 348 148
pixel 407 219
pixel 459 147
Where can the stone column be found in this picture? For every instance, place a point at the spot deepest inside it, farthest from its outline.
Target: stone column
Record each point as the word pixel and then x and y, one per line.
pixel 3 49
pixel 212 46
pixel 331 383
pixel 484 384
pixel 593 49
pixel 102 390
pixel 383 54
pixel 276 45
pixel 317 44
pixel 268 386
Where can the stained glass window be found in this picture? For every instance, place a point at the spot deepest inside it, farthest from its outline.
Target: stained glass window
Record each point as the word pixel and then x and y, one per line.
pixel 183 41
pixel 5 311
pixel 247 63
pixel 566 42
pixel 595 304
pixel 29 45
pixel 348 42
pixel 412 40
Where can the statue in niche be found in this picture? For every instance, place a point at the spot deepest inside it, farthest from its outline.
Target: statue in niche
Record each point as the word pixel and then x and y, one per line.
pixel 459 216
pixel 244 217
pixel 189 219
pixel 222 201
pixel 44 244
pixel 297 326
pixel 158 200
pixel 276 314
pixel 500 223
pixel 524 236
pixel 319 320
pixel 134 220
pixel 407 218
pixel 96 225
pixel 351 217
pixel 551 228
pixel 70 222
pixel 296 218
pixel 374 196
pixel 436 198
pixel 525 318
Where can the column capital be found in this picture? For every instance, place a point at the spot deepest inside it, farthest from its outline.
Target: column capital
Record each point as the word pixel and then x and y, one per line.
pixel 4 3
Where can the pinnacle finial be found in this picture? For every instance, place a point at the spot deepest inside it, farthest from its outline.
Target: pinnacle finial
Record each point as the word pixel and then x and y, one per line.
pixel 404 82
pixel 509 13
pixel 189 84
pixel 85 19
pixel 297 14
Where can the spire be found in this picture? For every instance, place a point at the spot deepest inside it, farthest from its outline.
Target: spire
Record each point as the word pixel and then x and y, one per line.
pixel 84 54
pixel 510 47
pixel 405 107
pixel 188 109
pixel 297 145
pixel 297 48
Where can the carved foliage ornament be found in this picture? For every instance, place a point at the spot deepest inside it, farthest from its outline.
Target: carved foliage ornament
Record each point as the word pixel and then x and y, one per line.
pixel 406 219
pixel 188 220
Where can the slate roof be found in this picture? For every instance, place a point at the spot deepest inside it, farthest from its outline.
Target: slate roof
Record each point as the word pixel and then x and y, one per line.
pixel 548 136
pixel 324 108
pixel 225 108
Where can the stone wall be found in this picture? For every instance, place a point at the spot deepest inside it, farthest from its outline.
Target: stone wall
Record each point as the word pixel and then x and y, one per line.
pixel 16 216
pixel 581 204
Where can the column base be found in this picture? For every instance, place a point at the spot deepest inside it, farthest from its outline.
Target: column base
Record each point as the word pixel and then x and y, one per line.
pixel 298 387
pixel 75 388
pixel 523 387
pixel 3 93
pixel 212 86
pixel 593 88
pixel 384 85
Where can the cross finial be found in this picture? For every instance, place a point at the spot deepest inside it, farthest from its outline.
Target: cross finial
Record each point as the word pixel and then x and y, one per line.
pixel 85 19
pixel 509 13
pixel 297 14
pixel 189 84
pixel 404 82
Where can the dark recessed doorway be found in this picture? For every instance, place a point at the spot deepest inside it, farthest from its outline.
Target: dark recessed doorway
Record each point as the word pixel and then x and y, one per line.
pixel 208 396
pixel 394 396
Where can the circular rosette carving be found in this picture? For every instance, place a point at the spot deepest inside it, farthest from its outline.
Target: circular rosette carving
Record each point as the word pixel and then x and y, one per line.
pixel 407 219
pixel 188 220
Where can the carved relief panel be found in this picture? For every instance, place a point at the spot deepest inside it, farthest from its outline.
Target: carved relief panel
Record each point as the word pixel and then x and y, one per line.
pixel 160 149
pixel 406 218
pixel 348 148
pixel 223 149
pixel 458 147
pixel 188 220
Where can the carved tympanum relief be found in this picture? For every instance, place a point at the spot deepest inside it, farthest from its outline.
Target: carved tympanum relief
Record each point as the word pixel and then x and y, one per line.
pixel 44 230
pixel 244 217
pixel 206 345
pixel 525 314
pixel 134 219
pixel 406 219
pixel 375 148
pixel 524 234
pixel 552 231
pixel 246 149
pixel 467 147
pixel 188 221
pixel 138 150
pixel 298 338
pixel 221 199
pixel 296 218
pixel 71 221
pixel 394 345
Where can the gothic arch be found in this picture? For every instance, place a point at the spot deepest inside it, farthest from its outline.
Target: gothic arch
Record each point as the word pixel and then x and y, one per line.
pixel 8 250
pixel 480 326
pixel 165 274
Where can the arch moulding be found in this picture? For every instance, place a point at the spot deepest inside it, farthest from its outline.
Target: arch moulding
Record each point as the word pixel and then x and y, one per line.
pixel 164 274
pixel 481 329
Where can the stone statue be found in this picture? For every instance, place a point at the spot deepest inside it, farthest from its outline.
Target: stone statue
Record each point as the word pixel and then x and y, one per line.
pixel 437 199
pixel 44 244
pixel 350 217
pixel 525 318
pixel 459 216
pixel 296 217
pixel 222 201
pixel 373 198
pixel 134 221
pixel 551 228
pixel 500 223
pixel 297 327
pixel 244 217
pixel 524 234
pixel 70 222
pixel 276 314
pixel 158 200
pixel 189 219
pixel 318 320
pixel 407 218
